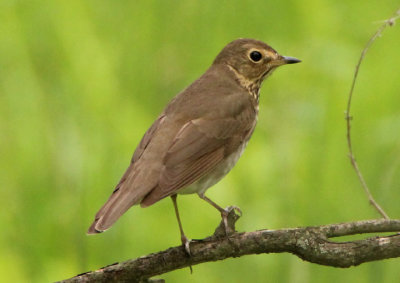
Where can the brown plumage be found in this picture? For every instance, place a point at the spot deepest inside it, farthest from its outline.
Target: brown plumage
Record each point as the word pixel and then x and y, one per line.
pixel 199 136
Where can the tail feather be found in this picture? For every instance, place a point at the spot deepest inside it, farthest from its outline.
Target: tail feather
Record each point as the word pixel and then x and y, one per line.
pixel 92 229
pixel 99 215
pixel 116 205
pixel 133 187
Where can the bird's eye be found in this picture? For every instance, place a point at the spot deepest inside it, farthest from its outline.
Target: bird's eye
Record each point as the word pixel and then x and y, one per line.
pixel 255 56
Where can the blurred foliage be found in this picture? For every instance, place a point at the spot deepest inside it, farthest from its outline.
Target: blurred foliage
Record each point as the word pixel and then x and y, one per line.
pixel 81 81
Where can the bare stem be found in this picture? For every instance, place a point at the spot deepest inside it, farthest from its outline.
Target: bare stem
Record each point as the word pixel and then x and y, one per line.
pixel 389 22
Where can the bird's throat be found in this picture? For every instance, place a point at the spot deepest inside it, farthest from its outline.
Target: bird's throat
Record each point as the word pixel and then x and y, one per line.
pixel 252 86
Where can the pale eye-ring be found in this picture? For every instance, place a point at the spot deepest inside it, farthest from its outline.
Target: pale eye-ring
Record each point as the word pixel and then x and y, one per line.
pixel 255 56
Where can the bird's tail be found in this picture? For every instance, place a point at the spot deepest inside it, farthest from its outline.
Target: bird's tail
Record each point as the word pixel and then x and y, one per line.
pixel 119 202
pixel 125 195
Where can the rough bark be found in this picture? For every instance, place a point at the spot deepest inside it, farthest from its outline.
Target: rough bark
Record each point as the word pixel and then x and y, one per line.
pixel 311 244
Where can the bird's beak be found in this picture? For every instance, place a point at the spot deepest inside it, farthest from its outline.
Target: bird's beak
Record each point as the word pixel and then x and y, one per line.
pixel 283 60
pixel 290 60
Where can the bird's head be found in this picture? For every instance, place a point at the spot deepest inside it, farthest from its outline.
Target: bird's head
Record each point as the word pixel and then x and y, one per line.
pixel 251 60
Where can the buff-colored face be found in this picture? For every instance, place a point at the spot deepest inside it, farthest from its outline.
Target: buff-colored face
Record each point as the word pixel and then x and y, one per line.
pixel 252 59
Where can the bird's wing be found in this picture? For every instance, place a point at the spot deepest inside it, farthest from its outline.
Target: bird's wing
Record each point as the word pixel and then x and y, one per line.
pixel 198 147
pixel 147 138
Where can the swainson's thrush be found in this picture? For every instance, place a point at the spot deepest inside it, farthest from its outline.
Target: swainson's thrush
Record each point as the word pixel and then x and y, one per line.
pixel 199 136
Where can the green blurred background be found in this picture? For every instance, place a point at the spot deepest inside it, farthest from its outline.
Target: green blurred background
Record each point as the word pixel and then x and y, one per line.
pixel 81 81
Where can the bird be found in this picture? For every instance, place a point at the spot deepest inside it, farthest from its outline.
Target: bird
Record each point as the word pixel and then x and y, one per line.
pixel 199 136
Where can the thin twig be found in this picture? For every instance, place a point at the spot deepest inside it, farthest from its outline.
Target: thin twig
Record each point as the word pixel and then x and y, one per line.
pixel 389 22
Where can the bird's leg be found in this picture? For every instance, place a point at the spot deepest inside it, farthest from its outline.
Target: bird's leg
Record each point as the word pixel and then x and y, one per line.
pixel 224 213
pixel 184 239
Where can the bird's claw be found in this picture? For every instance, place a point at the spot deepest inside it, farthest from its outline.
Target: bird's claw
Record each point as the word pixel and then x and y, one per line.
pixel 236 208
pixel 229 218
pixel 186 245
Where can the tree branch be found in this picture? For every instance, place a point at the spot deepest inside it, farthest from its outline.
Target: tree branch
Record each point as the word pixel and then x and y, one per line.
pixel 309 243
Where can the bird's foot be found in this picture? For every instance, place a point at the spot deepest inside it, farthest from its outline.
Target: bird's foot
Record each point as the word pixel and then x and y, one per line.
pixel 186 244
pixel 237 209
pixel 229 217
